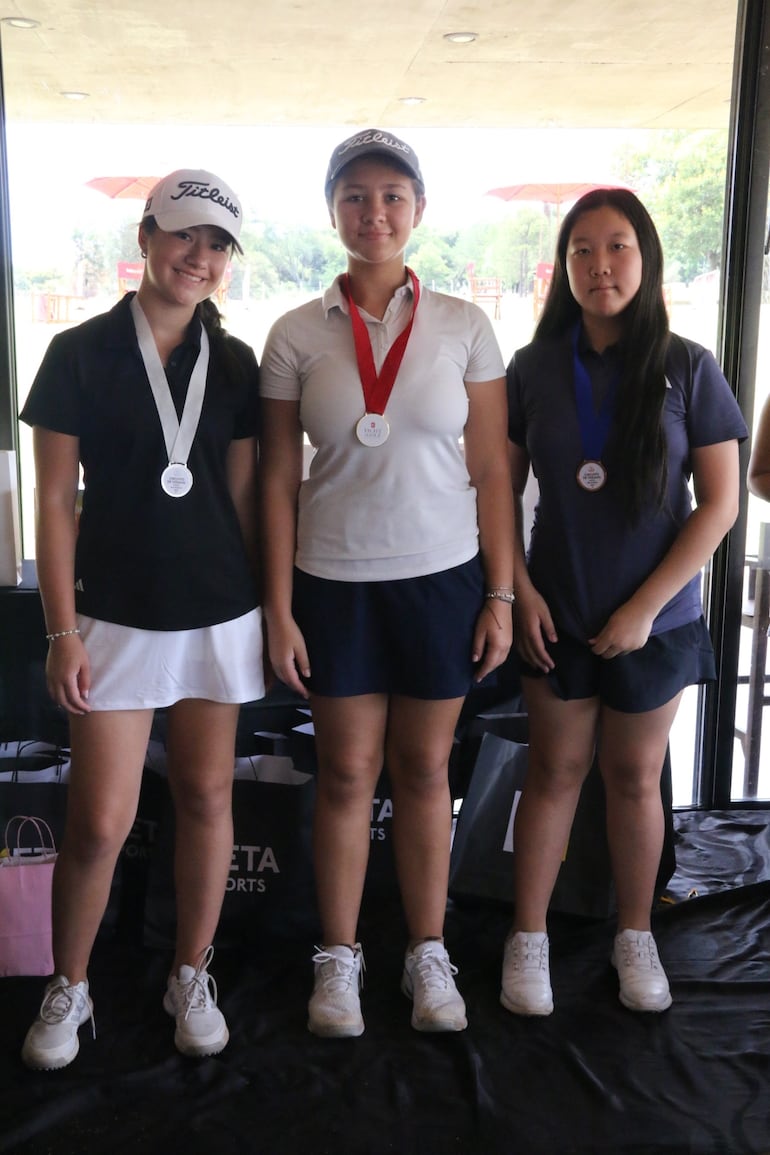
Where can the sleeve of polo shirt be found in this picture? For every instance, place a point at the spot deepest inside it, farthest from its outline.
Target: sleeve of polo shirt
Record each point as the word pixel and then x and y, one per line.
pixel 517 432
pixel 713 414
pixel 54 400
pixel 485 361
pixel 279 374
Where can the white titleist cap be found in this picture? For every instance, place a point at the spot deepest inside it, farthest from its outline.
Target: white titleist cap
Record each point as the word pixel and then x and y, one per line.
pixel 190 197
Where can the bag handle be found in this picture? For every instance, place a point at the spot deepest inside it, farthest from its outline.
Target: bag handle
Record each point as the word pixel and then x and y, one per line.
pixel 39 824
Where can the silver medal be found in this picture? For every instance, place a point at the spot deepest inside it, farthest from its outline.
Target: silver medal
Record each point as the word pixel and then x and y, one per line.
pixel 176 479
pixel 372 429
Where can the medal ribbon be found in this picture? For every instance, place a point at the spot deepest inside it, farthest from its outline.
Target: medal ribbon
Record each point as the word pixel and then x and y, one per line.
pixel 178 435
pixel 377 389
pixel 594 426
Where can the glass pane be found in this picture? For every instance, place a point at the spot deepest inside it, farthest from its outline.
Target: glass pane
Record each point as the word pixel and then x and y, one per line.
pixel 751 755
pixel 76 261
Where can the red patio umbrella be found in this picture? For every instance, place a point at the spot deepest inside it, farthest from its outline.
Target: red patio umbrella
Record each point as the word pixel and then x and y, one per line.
pixel 549 192
pixel 136 188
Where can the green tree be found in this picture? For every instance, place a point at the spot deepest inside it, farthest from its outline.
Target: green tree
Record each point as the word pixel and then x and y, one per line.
pixel 516 245
pixel 681 180
pixel 432 262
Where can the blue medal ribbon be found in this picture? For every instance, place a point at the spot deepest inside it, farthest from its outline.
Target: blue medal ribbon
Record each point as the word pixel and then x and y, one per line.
pixel 594 424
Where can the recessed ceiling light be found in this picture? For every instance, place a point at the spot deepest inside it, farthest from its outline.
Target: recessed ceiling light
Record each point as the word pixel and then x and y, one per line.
pixel 411 100
pixel 74 95
pixel 461 37
pixel 19 22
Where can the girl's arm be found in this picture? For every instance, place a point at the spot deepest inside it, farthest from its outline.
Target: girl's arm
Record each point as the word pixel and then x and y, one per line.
pixel 487 461
pixel 532 617
pixel 280 469
pixel 758 477
pixel 68 672
pixel 716 480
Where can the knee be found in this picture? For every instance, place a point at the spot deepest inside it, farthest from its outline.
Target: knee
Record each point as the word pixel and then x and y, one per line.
pixel 95 838
pixel 201 801
pixel 632 785
pixel 345 784
pixel 555 779
pixel 419 781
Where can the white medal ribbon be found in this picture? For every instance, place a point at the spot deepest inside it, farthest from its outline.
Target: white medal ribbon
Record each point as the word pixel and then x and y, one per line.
pixel 178 435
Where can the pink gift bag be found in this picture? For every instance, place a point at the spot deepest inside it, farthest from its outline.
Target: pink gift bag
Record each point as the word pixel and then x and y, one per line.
pixel 26 873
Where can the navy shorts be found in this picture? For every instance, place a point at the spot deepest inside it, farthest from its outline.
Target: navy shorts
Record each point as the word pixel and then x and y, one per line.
pixel 631 683
pixel 412 636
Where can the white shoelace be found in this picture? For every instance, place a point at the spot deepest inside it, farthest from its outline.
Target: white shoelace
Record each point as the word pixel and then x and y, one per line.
pixel 343 973
pixel 642 953
pixel 436 972
pixel 200 992
pixel 530 956
pixel 60 1002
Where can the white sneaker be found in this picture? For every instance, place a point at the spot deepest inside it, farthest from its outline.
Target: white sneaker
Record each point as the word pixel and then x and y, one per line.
pixel 191 997
pixel 334 1010
pixel 643 982
pixel 526 987
pixel 52 1040
pixel 428 980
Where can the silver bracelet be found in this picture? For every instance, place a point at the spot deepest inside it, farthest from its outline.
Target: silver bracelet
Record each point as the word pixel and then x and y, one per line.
pixel 62 634
pixel 502 596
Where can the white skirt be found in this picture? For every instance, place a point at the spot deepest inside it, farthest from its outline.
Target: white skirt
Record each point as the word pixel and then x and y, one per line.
pixel 135 669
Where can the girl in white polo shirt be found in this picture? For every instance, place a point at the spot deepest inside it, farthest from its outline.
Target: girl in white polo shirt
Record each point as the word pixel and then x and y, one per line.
pixel 388 571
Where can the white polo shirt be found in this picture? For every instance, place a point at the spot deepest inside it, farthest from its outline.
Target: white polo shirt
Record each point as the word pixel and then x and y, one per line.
pixel 406 507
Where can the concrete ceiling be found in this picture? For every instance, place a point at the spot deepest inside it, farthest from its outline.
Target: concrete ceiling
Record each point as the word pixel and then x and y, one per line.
pixel 535 63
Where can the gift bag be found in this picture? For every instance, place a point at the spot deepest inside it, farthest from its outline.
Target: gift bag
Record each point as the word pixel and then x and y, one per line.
pixel 26 872
pixel 33 780
pixel 481 865
pixel 271 888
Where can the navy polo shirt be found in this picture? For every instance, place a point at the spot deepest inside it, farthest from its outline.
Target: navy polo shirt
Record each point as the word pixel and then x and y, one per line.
pixel 584 557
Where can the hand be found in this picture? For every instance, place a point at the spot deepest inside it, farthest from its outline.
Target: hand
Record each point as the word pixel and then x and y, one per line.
pixel 533 627
pixel 288 655
pixel 492 637
pixel 68 674
pixel 625 631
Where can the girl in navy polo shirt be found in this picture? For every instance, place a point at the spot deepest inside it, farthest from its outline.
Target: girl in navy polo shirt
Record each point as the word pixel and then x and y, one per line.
pixel 615 414
pixel 152 601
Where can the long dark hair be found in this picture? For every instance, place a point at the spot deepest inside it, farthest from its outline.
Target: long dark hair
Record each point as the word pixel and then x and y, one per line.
pixel 638 446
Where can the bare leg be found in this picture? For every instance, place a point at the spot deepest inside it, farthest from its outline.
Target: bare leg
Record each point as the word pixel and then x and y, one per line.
pixel 562 736
pixel 419 742
pixel 632 748
pixel 201 751
pixel 349 735
pixel 108 751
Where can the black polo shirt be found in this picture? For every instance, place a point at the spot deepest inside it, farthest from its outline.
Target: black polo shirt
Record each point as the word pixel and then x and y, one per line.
pixel 143 558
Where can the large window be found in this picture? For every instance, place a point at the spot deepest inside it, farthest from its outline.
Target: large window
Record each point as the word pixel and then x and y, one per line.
pixel 74 253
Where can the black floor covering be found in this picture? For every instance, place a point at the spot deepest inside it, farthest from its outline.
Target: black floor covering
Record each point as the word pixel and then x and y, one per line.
pixel 593 1078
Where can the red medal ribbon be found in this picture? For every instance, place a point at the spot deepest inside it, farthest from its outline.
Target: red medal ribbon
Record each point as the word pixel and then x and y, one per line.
pixel 377 389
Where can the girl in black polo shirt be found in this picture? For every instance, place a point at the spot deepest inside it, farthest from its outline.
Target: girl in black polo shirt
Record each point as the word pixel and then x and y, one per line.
pixel 151 600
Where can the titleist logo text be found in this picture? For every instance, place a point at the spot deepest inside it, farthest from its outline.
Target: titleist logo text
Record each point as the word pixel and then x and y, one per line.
pixel 374 138
pixel 190 188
